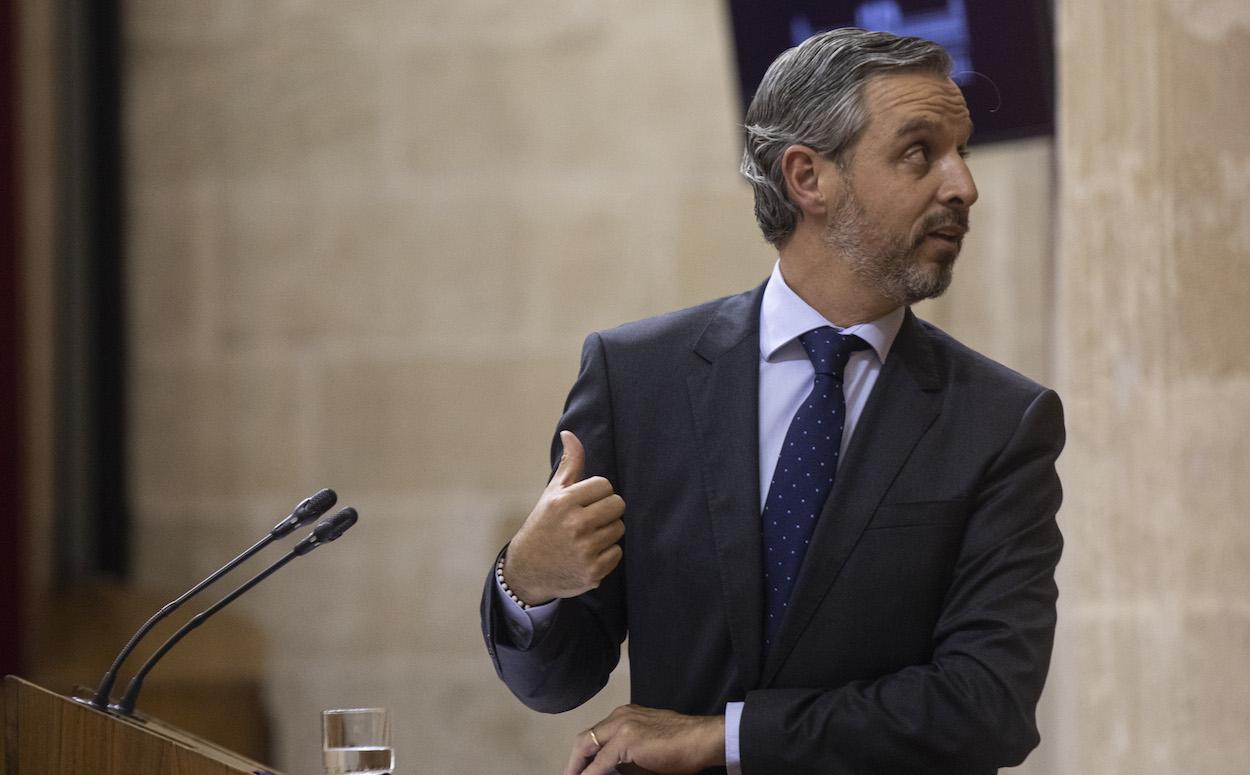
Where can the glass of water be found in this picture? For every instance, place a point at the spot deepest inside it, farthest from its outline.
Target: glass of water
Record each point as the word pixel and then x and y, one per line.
pixel 357 741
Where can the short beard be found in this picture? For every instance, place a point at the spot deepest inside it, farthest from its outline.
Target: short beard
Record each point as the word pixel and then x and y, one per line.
pixel 891 269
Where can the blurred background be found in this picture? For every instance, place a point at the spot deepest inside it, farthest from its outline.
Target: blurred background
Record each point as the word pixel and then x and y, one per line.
pixel 252 249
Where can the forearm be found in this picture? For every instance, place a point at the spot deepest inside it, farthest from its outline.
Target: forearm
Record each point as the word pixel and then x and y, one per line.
pixel 915 721
pixel 561 667
pixel 569 542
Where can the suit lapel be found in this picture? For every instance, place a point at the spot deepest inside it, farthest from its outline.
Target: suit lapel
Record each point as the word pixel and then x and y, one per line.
pixel 724 396
pixel 904 403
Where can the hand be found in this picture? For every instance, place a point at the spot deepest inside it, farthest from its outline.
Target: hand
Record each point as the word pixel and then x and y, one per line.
pixel 649 740
pixel 569 541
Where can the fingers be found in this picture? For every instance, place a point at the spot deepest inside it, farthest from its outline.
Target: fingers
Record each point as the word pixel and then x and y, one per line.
pixel 572 463
pixel 596 754
pixel 588 491
pixel 568 480
pixel 602 550
pixel 607 561
pixel 635 739
pixel 586 519
pixel 604 763
pixel 610 533
pixel 569 473
pixel 603 511
pixel 584 750
pixel 613 755
pixel 569 542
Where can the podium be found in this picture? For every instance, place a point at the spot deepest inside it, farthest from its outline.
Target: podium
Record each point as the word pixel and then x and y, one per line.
pixel 47 734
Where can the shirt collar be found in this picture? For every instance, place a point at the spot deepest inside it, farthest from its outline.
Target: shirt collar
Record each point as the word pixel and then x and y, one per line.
pixel 784 317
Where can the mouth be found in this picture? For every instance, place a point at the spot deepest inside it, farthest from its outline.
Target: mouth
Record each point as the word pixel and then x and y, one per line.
pixel 945 231
pixel 952 238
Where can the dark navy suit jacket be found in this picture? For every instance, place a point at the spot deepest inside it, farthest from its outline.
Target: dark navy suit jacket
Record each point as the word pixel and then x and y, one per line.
pixel 919 633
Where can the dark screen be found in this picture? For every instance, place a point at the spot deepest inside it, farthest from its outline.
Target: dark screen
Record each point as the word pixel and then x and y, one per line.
pixel 1002 49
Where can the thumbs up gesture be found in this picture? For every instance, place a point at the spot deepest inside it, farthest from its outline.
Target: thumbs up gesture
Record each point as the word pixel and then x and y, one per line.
pixel 568 542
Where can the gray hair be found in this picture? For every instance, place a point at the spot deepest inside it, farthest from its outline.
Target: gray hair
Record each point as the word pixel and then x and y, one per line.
pixel 813 95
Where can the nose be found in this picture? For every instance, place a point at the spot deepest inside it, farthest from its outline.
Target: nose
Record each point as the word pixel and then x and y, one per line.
pixel 958 189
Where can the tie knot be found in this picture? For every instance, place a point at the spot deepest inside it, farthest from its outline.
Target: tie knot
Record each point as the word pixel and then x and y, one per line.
pixel 829 350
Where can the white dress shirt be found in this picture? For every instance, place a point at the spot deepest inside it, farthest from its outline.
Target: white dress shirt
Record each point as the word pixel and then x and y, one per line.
pixel 786 377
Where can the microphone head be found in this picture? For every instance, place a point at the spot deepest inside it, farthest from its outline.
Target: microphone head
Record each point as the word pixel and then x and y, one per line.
pixel 330 529
pixel 316 504
pixel 308 509
pixel 327 530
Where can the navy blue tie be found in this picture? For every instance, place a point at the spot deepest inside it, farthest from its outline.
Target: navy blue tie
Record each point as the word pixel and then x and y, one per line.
pixel 805 471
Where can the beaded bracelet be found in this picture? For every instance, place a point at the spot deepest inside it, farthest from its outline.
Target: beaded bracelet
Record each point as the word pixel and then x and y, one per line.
pixel 507 590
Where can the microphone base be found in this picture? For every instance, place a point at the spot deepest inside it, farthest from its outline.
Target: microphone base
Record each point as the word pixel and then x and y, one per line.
pixel 85 696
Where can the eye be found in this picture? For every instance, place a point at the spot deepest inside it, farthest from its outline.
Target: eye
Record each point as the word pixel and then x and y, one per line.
pixel 918 154
pixel 964 152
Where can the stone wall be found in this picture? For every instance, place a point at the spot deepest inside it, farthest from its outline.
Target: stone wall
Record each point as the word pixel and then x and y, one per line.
pixel 1154 364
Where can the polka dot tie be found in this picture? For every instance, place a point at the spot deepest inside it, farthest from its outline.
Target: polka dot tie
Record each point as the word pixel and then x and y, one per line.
pixel 805 471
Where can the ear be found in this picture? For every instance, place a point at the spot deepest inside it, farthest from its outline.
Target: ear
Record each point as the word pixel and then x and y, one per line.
pixel 803 169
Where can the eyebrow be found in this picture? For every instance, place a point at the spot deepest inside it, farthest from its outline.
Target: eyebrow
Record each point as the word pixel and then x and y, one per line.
pixel 916 125
pixel 922 123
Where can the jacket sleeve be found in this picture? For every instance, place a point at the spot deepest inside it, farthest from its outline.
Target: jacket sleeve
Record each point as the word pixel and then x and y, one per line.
pixel 971 708
pixel 574 657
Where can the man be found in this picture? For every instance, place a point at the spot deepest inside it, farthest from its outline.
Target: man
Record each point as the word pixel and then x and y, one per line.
pixel 826 527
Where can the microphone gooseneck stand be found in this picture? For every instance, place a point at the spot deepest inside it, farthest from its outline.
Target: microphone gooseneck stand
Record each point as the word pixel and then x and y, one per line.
pixel 308 509
pixel 326 531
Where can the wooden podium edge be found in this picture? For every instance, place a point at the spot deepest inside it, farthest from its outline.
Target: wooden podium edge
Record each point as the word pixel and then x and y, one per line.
pixel 20 694
pixel 8 735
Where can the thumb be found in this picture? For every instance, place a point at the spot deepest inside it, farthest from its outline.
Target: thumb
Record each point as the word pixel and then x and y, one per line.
pixel 572 463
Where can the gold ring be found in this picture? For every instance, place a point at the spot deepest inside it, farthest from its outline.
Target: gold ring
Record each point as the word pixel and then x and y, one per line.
pixel 595 739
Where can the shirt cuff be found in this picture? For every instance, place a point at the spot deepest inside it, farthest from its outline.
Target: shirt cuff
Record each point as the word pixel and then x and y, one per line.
pixel 733 756
pixel 525 626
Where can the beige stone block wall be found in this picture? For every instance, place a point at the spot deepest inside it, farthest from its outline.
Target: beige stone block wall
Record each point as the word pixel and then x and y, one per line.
pixel 366 240
pixel 1154 364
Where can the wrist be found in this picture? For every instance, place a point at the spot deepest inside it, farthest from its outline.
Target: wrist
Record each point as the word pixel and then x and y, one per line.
pixel 515 586
pixel 713 741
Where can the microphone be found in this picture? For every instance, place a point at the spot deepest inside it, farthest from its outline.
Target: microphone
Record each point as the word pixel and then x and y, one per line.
pixel 308 509
pixel 327 530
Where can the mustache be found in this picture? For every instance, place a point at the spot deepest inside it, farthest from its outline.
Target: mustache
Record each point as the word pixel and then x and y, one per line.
pixel 943 218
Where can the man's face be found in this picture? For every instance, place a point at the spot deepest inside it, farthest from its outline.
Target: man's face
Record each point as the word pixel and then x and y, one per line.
pixel 901 210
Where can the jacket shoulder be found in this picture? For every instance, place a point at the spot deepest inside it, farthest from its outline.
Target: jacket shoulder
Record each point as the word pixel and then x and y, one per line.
pixel 732 316
pixel 965 366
